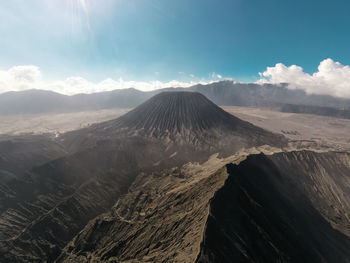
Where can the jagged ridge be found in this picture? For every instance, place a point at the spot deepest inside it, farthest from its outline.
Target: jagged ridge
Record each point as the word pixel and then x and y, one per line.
pixel 287 207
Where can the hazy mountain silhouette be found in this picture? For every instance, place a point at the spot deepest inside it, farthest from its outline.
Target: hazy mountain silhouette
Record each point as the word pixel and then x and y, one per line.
pixel 240 94
pixel 41 101
pixel 225 93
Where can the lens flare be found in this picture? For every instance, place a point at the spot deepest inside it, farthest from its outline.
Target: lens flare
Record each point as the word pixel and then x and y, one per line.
pixel 83 7
pixel 79 13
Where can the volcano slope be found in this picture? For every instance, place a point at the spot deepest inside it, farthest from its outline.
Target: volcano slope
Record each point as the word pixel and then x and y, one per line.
pixel 147 187
pixel 187 120
pixel 45 207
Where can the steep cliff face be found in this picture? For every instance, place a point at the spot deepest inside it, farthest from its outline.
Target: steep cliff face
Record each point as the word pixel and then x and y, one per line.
pixel 288 207
pixel 161 219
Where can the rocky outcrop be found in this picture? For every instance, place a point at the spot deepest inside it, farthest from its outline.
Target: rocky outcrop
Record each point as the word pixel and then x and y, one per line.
pixel 161 219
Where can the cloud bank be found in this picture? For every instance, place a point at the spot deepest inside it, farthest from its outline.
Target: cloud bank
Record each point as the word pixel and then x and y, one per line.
pixel 21 78
pixel 332 78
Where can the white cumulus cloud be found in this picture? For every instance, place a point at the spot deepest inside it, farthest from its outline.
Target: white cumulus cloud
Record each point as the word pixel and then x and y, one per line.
pixel 21 78
pixel 332 78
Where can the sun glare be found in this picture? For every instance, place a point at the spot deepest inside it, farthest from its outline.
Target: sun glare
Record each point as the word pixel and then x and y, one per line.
pixel 79 14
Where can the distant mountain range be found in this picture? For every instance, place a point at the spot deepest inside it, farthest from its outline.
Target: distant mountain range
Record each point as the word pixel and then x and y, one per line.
pixel 42 101
pixel 224 93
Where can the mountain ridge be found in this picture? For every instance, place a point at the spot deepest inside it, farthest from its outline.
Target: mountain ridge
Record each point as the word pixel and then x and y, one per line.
pixel 224 93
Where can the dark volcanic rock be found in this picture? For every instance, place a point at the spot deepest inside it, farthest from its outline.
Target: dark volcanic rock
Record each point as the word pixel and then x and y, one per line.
pixel 175 112
pixel 288 207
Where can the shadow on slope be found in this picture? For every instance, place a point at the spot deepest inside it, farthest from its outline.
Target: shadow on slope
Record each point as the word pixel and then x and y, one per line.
pixel 281 208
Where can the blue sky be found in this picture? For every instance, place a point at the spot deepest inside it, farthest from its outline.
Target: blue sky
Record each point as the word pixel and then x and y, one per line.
pixel 164 40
